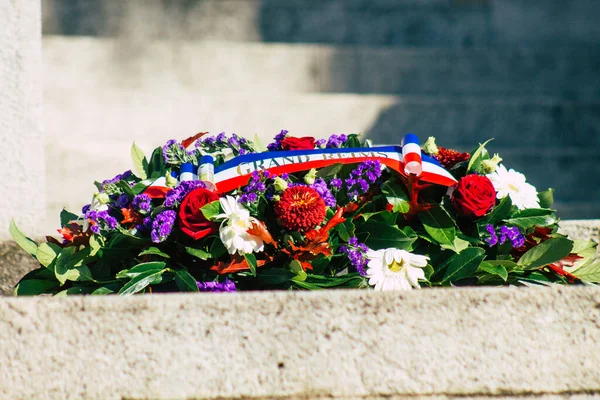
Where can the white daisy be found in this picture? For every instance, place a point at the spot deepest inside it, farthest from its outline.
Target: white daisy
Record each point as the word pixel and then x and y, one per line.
pixel 393 269
pixel 233 230
pixel 512 183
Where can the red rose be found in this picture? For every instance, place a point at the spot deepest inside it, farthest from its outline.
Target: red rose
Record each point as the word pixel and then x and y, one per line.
pixel 474 195
pixel 294 143
pixel 191 220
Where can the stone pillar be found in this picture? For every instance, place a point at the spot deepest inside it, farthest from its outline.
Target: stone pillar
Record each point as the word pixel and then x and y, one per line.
pixel 21 139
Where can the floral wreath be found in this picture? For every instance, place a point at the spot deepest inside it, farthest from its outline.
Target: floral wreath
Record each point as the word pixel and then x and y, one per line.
pixel 223 213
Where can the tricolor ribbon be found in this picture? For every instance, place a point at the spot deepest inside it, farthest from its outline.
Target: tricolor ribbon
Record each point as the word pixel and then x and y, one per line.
pixel 406 160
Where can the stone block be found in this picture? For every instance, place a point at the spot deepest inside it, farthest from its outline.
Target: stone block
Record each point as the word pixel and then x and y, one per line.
pixel 331 344
pixel 22 150
pixel 84 63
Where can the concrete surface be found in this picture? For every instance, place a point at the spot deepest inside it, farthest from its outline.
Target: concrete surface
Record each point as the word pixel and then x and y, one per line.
pixel 22 142
pixel 270 68
pixel 414 23
pixel 330 344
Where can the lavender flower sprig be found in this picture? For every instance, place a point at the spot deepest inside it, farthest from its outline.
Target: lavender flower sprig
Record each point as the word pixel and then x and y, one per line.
pixel 162 226
pixel 226 286
pixel 511 233
pixel 357 254
pixel 362 177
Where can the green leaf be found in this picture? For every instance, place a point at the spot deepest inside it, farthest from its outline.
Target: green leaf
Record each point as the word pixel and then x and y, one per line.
pixel 439 225
pixel 275 276
pixel 66 217
pixel 259 145
pixel 46 253
pixel 211 210
pixel 185 281
pixel 79 274
pixel 457 246
pixel 498 270
pixel 156 166
pixel 306 285
pixel 107 289
pixel 531 217
pixel 23 241
pixel 508 265
pixel 383 236
pixel 251 260
pixel 589 272
pixel 34 287
pixel 396 196
pixel 545 253
pixel 329 171
pixel 139 161
pixel 463 264
pixel 155 252
pixel 546 198
pixel 95 245
pixel 141 186
pixel 477 157
pixel 142 268
pixel 498 213
pixel 141 281
pixel 75 290
pixel 201 254
pixel 62 264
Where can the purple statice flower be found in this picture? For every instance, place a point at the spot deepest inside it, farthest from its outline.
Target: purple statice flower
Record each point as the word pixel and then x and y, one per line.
pixel 357 254
pixel 108 185
pixel 513 235
pixel 321 187
pixel 117 178
pixel 276 144
pixel 221 138
pixel 336 183
pixel 254 188
pixel 493 239
pixel 176 196
pixel 145 226
pixel 234 141
pixel 336 141
pixel 101 219
pixel 86 208
pixel 174 152
pixel 142 203
pixel 122 200
pixel 362 177
pixel 243 151
pixel 320 143
pixel 162 226
pixel 227 286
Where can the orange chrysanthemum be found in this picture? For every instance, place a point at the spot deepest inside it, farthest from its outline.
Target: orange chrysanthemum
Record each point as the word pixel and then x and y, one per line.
pixel 449 158
pixel 300 208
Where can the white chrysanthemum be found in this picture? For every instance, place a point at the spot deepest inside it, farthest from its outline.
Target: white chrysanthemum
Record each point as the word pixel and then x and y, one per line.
pixel 512 183
pixel 393 269
pixel 234 229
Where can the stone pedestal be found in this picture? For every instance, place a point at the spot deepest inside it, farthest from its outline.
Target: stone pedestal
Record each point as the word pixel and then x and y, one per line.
pixel 22 142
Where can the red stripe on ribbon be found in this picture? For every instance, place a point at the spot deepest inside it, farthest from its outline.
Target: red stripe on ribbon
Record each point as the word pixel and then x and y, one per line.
pixel 242 180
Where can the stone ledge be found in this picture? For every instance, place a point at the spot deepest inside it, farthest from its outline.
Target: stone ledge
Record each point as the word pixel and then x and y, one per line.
pixel 334 344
